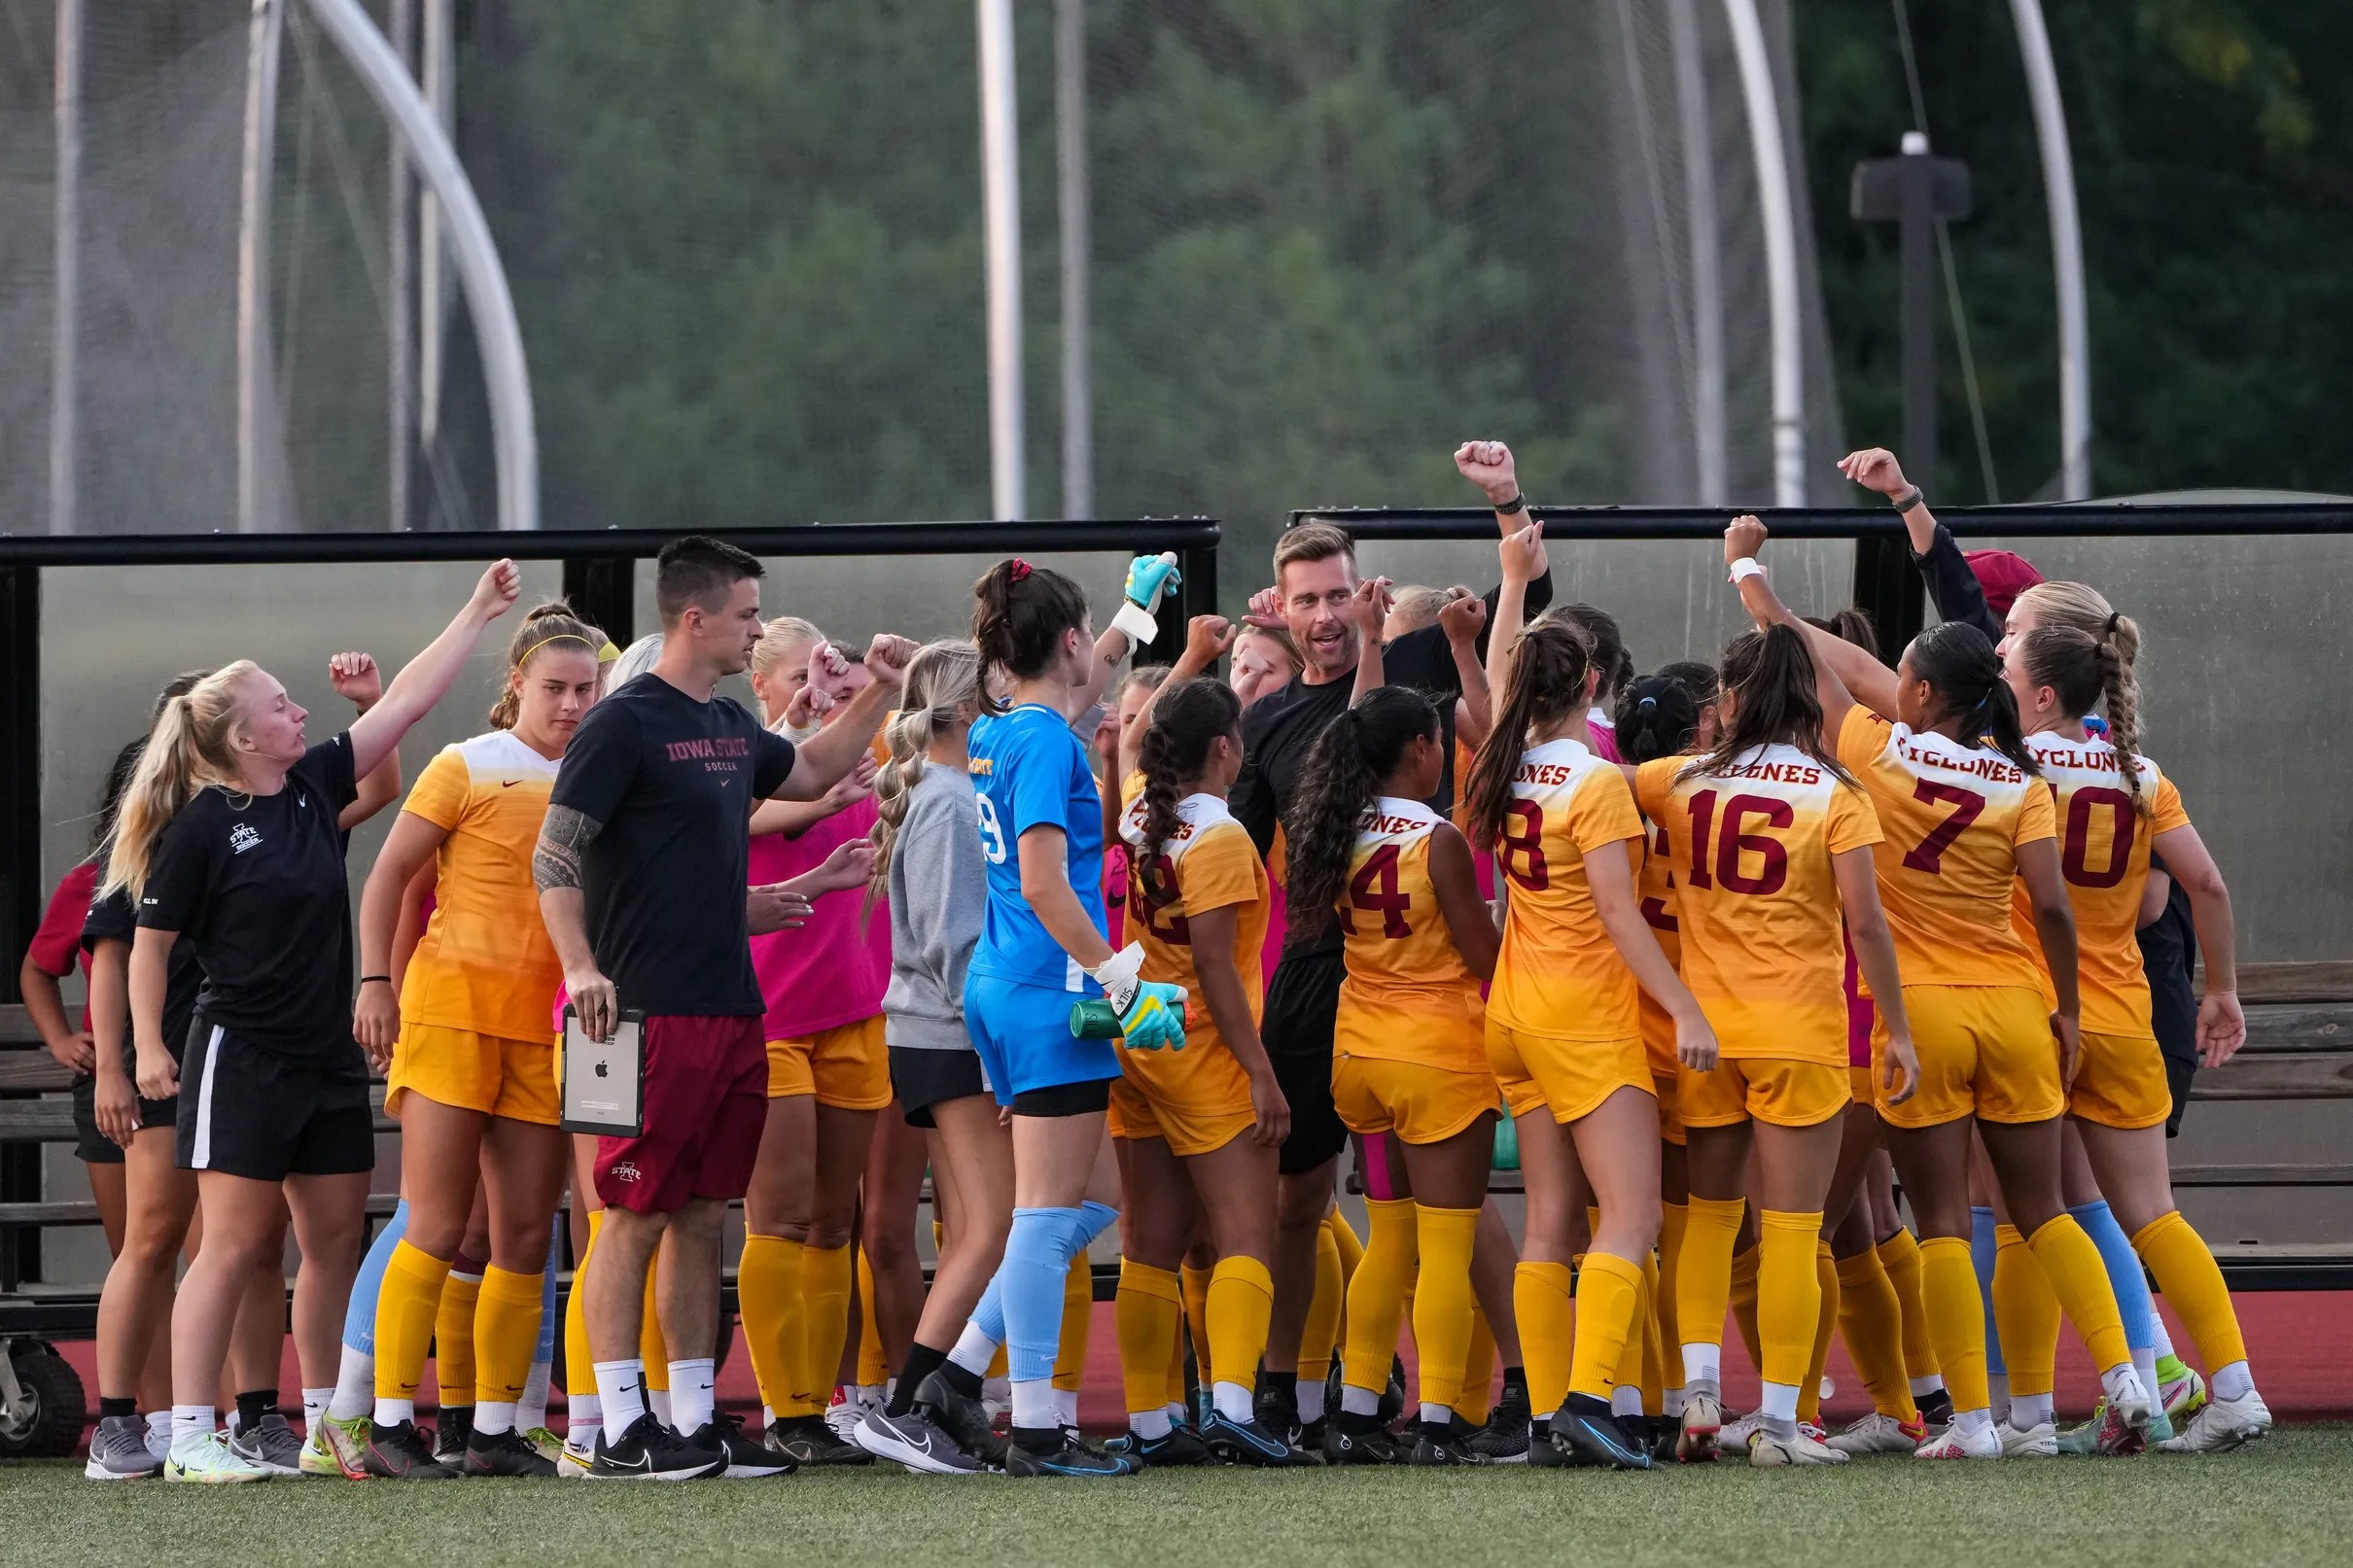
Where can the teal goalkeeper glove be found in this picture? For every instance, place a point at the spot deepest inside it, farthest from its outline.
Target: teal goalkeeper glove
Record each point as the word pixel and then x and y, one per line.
pixel 1151 1012
pixel 1149 577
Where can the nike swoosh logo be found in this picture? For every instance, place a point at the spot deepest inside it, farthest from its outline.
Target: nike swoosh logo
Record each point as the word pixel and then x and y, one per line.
pixel 644 1461
pixel 508 783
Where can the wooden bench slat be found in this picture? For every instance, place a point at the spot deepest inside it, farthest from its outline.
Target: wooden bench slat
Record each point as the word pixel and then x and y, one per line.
pixel 2263 1176
pixel 2308 1075
pixel 84 1212
pixel 2321 981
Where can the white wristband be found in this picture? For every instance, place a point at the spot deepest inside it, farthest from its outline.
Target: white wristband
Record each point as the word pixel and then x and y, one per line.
pixel 1137 621
pixel 1744 568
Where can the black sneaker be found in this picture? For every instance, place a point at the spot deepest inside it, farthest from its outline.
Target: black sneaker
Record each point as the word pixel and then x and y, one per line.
pixel 1278 1407
pixel 1437 1445
pixel 1392 1397
pixel 650 1451
pixel 401 1453
pixel 919 1444
pixel 1357 1440
pixel 1247 1442
pixel 1665 1432
pixel 743 1459
pixel 1503 1439
pixel 1587 1435
pixel 1178 1446
pixel 963 1419
pixel 453 1434
pixel 505 1453
pixel 1540 1451
pixel 1057 1452
pixel 806 1439
pixel 1310 1441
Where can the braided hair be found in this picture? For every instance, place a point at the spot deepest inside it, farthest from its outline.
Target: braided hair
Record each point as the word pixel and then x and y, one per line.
pixel 1338 782
pixel 1190 716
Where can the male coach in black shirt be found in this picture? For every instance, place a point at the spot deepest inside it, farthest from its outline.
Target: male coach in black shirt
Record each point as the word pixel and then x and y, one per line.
pixel 1315 577
pixel 641 867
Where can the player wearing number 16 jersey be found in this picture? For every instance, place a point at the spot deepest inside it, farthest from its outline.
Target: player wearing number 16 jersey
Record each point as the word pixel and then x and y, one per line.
pixel 1563 1012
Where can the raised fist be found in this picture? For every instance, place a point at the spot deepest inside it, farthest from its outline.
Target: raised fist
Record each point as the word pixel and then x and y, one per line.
pixel 356 678
pixel 1489 465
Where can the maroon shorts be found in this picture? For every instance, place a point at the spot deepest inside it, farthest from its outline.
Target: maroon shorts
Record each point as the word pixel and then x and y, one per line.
pixel 706 1102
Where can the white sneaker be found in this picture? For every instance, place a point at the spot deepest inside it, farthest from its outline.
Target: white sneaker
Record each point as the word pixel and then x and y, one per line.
pixel 1735 1434
pixel 1767 1451
pixel 2221 1425
pixel 2037 1442
pixel 573 1463
pixel 1877 1433
pixel 849 1406
pixel 2128 1403
pixel 1980 1442
pixel 208 1459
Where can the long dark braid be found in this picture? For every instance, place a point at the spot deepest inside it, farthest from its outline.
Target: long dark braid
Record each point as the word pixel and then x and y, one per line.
pixel 1338 782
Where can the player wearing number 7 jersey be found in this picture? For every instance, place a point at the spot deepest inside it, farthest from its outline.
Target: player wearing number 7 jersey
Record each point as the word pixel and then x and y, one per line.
pixel 1937 744
pixel 1770 841
pixel 1563 1013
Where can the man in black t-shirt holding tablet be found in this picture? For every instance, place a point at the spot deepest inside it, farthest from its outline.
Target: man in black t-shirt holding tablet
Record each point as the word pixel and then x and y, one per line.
pixel 641 867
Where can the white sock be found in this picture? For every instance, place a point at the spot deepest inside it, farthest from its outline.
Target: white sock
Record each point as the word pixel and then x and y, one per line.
pixel 1625 1399
pixel 1671 1402
pixel 658 1400
pixel 1176 1412
pixel 2162 1337
pixel 620 1392
pixel 2112 1382
pixel 973 1352
pixel 1034 1407
pixel 1921 1387
pixel 393 1411
pixel 863 1395
pixel 355 1392
pixel 493 1417
pixel 767 1417
pixel 1150 1424
pixel 1065 1407
pixel 1434 1413
pixel 2144 1362
pixel 158 1428
pixel 314 1406
pixel 190 1423
pixel 1781 1403
pixel 1703 1363
pixel 1311 1399
pixel 691 1396
pixel 2029 1410
pixel 531 1411
pixel 1236 1403
pixel 583 1419
pixel 2233 1381
pixel 1355 1401
pixel 1997 1391
pixel 1969 1422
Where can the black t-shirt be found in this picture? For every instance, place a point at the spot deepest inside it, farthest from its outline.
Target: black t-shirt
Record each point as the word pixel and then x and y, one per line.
pixel 112 919
pixel 1278 731
pixel 255 883
pixel 672 782
pixel 2168 947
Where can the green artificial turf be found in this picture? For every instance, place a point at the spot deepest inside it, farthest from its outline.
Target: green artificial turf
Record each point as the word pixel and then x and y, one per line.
pixel 2287 1500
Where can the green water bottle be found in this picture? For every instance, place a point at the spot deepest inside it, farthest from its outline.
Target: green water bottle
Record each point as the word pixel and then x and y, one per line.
pixel 1095 1019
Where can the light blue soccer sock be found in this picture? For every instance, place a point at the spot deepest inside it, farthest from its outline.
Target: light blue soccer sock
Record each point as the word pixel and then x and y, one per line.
pixel 1982 1249
pixel 1038 1259
pixel 355 1392
pixel 1093 1220
pixel 2131 1286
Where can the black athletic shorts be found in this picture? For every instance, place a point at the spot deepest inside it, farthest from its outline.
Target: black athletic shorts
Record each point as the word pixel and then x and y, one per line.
pixel 923 1078
pixel 93 1147
pixel 1302 1001
pixel 253 1113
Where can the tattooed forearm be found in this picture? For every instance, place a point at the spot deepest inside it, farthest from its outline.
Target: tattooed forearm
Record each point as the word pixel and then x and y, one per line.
pixel 557 861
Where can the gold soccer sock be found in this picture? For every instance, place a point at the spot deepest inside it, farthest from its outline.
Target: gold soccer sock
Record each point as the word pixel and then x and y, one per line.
pixel 1674 1218
pixel 1078 1324
pixel 580 1361
pixel 1443 1299
pixel 1653 1374
pixel 1610 1292
pixel 768 1288
pixel 1541 1301
pixel 1826 1322
pixel 2027 1316
pixel 1957 1319
pixel 1744 1266
pixel 2079 1279
pixel 1346 1239
pixel 505 1333
pixel 1150 1314
pixel 453 1359
pixel 1323 1328
pixel 1240 1299
pixel 1900 1256
pixel 1789 1294
pixel 1474 1389
pixel 1174 1392
pixel 1872 1320
pixel 414 1281
pixel 825 1280
pixel 1194 1284
pixel 1376 1297
pixel 1703 1280
pixel 874 1359
pixel 2189 1279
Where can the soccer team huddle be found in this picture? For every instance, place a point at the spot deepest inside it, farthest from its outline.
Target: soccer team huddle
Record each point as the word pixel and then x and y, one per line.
pixel 1723 952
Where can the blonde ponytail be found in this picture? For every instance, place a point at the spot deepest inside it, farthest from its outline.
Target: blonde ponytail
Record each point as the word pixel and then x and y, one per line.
pixel 2116 647
pixel 188 750
pixel 942 679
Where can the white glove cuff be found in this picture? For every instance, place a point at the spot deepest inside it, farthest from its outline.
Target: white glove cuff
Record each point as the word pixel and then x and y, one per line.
pixel 1118 974
pixel 1137 621
pixel 1744 568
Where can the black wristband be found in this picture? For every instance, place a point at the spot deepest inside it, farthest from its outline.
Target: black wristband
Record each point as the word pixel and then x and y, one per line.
pixel 1908 500
pixel 364 979
pixel 1517 503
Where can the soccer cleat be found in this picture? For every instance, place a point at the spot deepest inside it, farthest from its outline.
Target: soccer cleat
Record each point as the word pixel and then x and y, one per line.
pixel 1767 1451
pixel 1242 1443
pixel 1359 1440
pixel 743 1459
pixel 272 1445
pixel 849 1407
pixel 505 1453
pixel 401 1453
pixel 2106 1435
pixel 650 1451
pixel 573 1463
pixel 1503 1439
pixel 208 1459
pixel 1436 1446
pixel 1702 1422
pixel 806 1439
pixel 550 1446
pixel 2180 1390
pixel 1278 1407
pixel 1936 1407
pixel 963 1419
pixel 1880 1433
pixel 335 1446
pixel 1392 1394
pixel 2037 1442
pixel 1733 1435
pixel 1059 1453
pixel 1977 1443
pixel 2221 1425
pixel 1179 1447
pixel 995 1398
pixel 916 1442
pixel 118 1451
pixel 1541 1455
pixel 450 1436
pixel 1588 1436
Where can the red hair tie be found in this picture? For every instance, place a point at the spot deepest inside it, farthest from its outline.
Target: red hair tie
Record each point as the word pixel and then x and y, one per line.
pixel 1018 570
